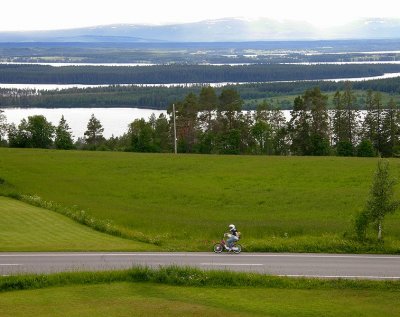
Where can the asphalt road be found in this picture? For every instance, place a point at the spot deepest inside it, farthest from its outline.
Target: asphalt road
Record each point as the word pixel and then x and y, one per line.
pixel 282 264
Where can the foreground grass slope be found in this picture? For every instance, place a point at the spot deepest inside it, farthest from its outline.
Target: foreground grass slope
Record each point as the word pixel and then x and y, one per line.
pixel 187 201
pixel 126 299
pixel 175 291
pixel 27 228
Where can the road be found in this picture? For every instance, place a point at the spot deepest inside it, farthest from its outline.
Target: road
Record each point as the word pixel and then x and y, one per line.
pixel 282 264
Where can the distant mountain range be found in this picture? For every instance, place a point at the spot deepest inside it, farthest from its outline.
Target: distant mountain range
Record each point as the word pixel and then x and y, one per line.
pixel 222 30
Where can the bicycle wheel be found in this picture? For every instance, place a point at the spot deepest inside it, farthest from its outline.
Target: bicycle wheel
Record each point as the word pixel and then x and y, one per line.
pixel 237 249
pixel 218 248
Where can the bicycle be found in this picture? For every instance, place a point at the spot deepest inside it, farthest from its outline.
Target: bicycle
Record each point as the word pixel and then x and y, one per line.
pixel 221 246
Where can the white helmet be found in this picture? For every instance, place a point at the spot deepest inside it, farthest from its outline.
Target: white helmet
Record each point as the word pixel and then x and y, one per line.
pixel 231 227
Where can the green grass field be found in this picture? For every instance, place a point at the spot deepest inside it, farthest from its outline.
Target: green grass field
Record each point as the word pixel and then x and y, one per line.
pixel 186 202
pixel 190 292
pixel 126 299
pixel 28 228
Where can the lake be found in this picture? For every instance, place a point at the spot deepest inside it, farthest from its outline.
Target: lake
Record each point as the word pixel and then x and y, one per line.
pixel 114 120
pixel 66 86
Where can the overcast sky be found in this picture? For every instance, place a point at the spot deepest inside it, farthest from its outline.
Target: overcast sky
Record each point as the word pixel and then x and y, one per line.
pixel 18 15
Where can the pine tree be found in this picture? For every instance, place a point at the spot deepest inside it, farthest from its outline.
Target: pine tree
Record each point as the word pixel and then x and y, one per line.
pixel 63 138
pixel 390 129
pixel 230 104
pixel 94 132
pixel 162 135
pixel 187 123
pixel 309 125
pixel 373 120
pixel 351 114
pixel 300 128
pixel 208 104
pixel 345 122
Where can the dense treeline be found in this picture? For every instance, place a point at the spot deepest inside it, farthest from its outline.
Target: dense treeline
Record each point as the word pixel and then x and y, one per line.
pixel 211 122
pixel 178 73
pixel 161 97
pixel 110 97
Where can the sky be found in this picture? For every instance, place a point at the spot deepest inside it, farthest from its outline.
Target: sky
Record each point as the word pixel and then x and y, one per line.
pixel 25 15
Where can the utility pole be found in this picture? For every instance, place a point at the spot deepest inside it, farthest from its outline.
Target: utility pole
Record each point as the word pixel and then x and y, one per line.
pixel 173 110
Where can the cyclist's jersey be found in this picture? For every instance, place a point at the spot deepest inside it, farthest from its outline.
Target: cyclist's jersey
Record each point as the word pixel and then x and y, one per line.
pixel 234 232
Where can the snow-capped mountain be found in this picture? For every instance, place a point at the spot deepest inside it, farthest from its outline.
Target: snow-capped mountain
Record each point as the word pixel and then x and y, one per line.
pixel 222 30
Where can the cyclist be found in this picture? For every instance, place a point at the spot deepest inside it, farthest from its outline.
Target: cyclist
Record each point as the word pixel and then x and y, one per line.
pixel 233 236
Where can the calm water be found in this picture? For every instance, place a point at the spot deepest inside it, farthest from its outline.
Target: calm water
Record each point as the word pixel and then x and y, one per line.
pixel 114 120
pixel 66 86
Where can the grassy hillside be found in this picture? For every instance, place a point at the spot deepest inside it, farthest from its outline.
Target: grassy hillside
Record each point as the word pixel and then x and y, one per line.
pixel 28 228
pixel 187 201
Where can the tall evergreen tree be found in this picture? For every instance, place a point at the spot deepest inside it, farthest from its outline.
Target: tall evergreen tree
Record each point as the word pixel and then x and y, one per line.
pixel 338 122
pixel 208 104
pixel 317 103
pixel 187 123
pixel 162 134
pixel 300 128
pixel 372 125
pixel 94 133
pixel 345 122
pixel 230 104
pixel 229 127
pixel 390 130
pixel 63 138
pixel 369 124
pixel 352 115
pixel 309 125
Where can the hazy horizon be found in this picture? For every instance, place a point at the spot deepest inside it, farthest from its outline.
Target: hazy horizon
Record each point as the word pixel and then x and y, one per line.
pixel 41 15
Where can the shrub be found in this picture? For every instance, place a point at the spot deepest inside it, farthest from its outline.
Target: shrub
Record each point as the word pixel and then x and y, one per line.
pixel 344 148
pixel 365 149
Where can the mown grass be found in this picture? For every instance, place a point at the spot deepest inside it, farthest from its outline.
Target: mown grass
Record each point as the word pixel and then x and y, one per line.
pixel 27 228
pixel 185 202
pixel 191 292
pixel 125 299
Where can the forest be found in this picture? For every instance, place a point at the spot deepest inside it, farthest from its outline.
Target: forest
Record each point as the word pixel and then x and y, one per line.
pixel 212 122
pixel 159 97
pixel 185 74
